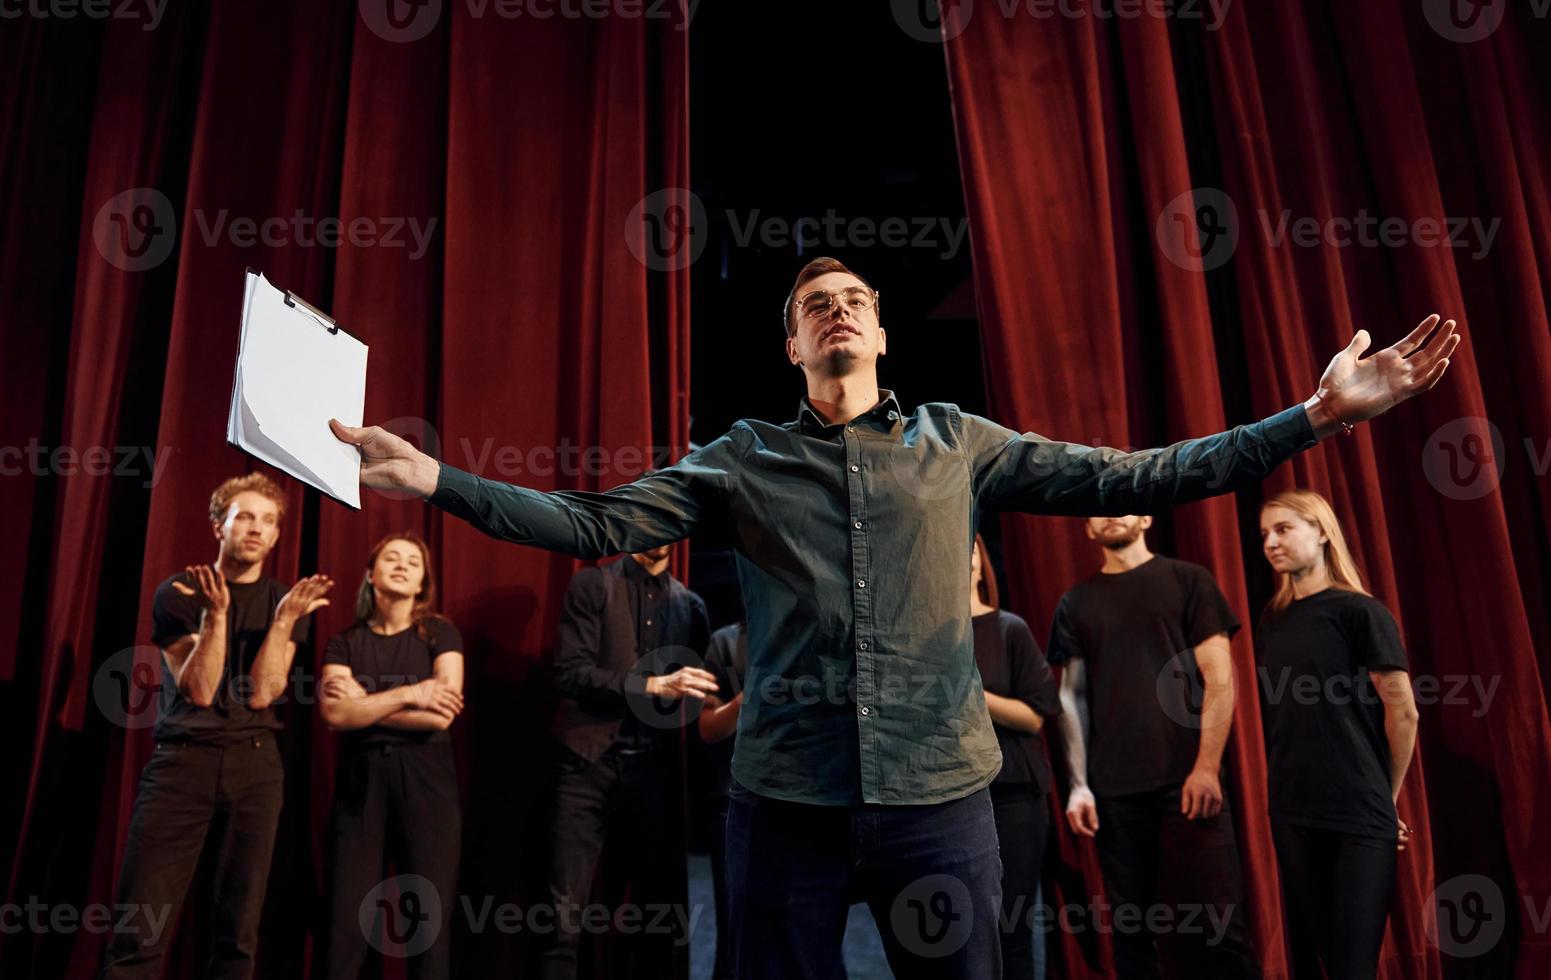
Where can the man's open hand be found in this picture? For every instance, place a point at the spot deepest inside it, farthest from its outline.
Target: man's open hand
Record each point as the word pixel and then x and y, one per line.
pixel 685 682
pixel 388 462
pixel 1354 389
pixel 211 589
pixel 304 598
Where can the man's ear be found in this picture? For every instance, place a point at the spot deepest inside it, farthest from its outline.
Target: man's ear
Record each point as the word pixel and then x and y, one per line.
pixel 218 530
pixel 791 351
pixel 1146 521
pixel 883 341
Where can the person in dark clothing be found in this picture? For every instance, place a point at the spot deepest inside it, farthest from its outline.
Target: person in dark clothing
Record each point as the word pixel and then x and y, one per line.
pixel 1340 722
pixel 631 639
pixel 864 748
pixel 1021 695
pixel 727 659
pixel 392 684
pixel 228 635
pixel 1146 775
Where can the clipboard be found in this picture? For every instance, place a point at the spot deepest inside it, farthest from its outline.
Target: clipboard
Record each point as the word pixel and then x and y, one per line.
pixel 296 368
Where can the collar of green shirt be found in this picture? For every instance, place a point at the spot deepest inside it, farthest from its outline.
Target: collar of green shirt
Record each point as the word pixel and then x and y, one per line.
pixel 886 413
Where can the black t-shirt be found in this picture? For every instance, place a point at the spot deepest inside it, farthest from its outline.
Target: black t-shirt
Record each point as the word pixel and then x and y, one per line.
pixel 380 663
pixel 727 658
pixel 1328 763
pixel 1013 666
pixel 1137 632
pixel 229 719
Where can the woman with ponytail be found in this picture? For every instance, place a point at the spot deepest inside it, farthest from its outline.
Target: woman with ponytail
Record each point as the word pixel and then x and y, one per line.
pixel 393 683
pixel 1340 727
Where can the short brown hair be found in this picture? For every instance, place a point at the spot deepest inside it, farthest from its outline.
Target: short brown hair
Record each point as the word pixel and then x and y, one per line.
pixel 256 482
pixel 823 265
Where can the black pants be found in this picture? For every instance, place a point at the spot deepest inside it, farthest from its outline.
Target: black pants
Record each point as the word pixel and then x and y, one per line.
pixel 1337 890
pixel 395 803
pixel 931 875
pixel 1176 889
pixel 631 802
pixel 722 968
pixel 1022 826
pixel 189 794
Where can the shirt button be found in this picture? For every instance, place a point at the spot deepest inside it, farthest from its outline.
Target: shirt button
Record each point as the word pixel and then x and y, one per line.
pixel 648 622
pixel 863 644
pixel 854 467
pixel 861 583
pixel 866 710
pixel 858 525
pixel 850 428
pixel 893 416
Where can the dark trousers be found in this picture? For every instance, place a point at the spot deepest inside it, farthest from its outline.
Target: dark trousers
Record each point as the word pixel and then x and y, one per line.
pixel 629 801
pixel 191 794
pixel 1022 826
pixel 722 969
pixel 1337 890
pixel 1176 889
pixel 931 875
pixel 395 803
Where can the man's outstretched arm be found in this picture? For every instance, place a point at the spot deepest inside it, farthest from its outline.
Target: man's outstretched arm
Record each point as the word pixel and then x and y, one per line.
pixel 1031 473
pixel 660 508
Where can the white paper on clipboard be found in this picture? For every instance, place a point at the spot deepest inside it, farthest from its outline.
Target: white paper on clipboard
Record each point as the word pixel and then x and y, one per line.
pixel 296 370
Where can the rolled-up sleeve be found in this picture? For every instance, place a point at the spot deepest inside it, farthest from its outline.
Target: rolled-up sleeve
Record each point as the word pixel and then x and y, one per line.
pixel 1036 475
pixel 660 508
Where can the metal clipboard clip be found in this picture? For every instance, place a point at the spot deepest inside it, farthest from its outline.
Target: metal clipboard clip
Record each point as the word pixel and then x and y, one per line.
pixel 296 302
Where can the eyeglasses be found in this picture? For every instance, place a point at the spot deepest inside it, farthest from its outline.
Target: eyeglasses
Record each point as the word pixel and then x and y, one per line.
pixel 820 304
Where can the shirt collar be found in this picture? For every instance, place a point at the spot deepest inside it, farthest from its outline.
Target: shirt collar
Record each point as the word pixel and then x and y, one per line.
pixel 886 413
pixel 635 571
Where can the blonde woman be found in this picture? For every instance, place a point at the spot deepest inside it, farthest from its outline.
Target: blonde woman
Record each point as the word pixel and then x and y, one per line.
pixel 1340 729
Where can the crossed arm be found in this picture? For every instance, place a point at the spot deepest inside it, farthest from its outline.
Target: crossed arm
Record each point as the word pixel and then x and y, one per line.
pixel 431 704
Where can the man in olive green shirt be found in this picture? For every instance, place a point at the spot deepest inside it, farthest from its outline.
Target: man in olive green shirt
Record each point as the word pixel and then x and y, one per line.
pixel 864 746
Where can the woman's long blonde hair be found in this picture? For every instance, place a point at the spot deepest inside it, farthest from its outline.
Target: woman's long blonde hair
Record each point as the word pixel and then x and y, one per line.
pixel 1338 559
pixel 987 586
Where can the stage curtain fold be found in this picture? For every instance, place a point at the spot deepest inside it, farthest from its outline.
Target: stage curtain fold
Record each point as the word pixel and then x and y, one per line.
pixel 493 168
pixel 1085 144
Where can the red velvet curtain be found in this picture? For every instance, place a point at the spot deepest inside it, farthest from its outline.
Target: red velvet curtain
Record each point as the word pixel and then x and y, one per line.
pixel 486 171
pixel 1115 311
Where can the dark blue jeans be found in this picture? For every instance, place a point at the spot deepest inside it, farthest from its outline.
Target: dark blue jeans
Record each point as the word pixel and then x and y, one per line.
pixel 931 875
